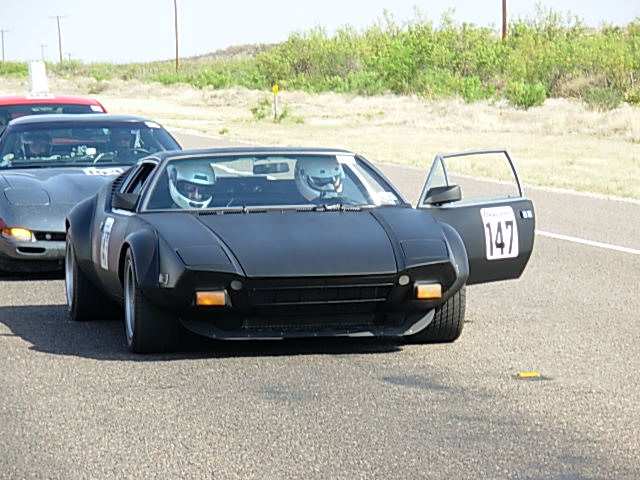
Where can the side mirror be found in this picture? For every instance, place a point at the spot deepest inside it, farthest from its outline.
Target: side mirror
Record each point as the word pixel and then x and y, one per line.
pixel 125 201
pixel 440 195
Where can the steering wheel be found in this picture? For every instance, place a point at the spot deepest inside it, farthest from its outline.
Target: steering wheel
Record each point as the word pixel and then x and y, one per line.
pixel 137 151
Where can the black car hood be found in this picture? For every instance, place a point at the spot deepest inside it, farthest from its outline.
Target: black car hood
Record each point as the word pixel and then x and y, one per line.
pixel 290 243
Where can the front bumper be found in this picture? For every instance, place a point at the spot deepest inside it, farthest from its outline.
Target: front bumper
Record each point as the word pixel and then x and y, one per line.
pixel 31 256
pixel 276 308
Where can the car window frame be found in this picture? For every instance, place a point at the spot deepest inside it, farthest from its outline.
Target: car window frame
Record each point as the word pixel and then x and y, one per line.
pixel 139 175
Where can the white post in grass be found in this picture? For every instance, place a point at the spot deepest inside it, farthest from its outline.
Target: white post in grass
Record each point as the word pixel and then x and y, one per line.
pixel 38 82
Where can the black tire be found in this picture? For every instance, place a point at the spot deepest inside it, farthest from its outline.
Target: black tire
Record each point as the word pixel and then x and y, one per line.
pixel 149 329
pixel 447 323
pixel 84 300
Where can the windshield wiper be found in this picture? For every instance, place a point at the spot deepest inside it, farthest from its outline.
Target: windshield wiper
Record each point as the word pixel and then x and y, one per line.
pixel 338 207
pixel 24 166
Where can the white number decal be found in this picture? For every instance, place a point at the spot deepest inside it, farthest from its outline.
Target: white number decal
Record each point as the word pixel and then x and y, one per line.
pixel 104 172
pixel 104 242
pixel 500 232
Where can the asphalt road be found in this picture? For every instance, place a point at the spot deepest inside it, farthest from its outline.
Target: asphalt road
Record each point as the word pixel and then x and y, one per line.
pixel 75 404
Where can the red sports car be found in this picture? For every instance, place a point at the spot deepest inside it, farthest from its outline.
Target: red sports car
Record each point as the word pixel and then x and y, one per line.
pixel 14 106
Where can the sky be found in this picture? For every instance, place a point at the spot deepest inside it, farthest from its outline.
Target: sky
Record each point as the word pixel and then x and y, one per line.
pixel 124 31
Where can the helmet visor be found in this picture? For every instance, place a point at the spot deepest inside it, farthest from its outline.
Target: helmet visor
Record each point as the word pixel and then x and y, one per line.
pixel 325 184
pixel 195 191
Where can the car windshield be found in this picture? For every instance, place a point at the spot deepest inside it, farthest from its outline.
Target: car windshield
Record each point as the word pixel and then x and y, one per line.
pixel 10 112
pixel 244 181
pixel 80 143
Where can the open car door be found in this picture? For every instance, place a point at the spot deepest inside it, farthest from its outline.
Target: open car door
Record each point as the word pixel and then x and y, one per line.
pixel 491 214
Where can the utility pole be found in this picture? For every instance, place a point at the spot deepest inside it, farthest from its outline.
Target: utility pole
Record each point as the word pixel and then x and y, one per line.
pixel 175 17
pixel 504 20
pixel 2 32
pixel 42 47
pixel 58 17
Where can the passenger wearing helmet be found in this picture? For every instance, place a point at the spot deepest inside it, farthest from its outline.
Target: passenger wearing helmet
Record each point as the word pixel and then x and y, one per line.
pixel 191 184
pixel 319 178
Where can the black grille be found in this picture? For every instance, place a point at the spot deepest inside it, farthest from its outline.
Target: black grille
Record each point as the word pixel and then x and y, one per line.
pixel 50 236
pixel 316 323
pixel 342 298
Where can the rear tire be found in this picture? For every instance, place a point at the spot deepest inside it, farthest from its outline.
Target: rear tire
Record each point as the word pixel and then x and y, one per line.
pixel 447 322
pixel 84 300
pixel 149 328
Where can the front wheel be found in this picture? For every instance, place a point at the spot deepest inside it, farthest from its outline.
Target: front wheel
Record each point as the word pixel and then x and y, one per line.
pixel 148 328
pixel 84 300
pixel 447 322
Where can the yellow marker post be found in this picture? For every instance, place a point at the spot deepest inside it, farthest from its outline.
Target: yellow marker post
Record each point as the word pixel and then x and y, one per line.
pixel 276 90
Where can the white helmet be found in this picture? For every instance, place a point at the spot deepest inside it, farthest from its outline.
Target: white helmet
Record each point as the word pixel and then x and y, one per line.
pixel 191 184
pixel 319 177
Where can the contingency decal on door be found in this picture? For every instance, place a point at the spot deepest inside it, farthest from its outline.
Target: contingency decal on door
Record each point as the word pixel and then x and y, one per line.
pixel 500 232
pixel 104 242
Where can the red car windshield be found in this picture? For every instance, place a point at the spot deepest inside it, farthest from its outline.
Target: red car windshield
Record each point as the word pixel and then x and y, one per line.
pixel 9 112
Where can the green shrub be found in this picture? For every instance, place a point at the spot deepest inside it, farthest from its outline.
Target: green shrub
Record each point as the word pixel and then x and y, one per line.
pixel 14 69
pixel 526 95
pixel 473 90
pixel 602 98
pixel 633 95
pixel 263 109
pixel 548 55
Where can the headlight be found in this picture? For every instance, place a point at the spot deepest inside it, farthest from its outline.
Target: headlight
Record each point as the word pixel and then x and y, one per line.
pixel 15 233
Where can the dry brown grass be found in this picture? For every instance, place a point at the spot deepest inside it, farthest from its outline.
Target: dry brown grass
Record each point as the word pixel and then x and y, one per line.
pixel 561 144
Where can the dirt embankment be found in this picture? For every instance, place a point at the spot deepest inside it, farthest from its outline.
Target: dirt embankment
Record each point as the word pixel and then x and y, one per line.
pixel 561 144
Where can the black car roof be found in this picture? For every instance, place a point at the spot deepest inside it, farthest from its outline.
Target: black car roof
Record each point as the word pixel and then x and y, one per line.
pixel 101 118
pixel 246 150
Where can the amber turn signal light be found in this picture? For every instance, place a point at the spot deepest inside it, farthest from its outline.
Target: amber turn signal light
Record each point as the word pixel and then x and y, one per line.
pixel 427 291
pixel 216 298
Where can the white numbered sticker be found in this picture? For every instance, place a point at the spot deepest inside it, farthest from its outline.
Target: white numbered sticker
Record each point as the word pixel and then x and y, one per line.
pixel 500 232
pixel 102 172
pixel 104 242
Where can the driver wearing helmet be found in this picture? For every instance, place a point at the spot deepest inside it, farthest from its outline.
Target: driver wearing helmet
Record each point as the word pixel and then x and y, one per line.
pixel 191 184
pixel 319 179
pixel 37 145
pixel 122 143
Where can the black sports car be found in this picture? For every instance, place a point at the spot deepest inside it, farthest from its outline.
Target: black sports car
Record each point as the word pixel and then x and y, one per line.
pixel 49 163
pixel 270 243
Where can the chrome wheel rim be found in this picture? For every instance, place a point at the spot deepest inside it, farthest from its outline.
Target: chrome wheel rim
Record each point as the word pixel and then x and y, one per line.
pixel 129 301
pixel 68 274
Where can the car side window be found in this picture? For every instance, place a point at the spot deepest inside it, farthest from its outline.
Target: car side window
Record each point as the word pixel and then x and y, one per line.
pixel 138 178
pixel 484 175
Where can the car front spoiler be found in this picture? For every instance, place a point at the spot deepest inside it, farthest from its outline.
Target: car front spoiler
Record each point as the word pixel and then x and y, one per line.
pixel 412 324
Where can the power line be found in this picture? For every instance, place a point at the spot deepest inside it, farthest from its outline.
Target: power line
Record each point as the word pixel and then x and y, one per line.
pixel 42 47
pixel 504 20
pixel 2 32
pixel 58 17
pixel 175 17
